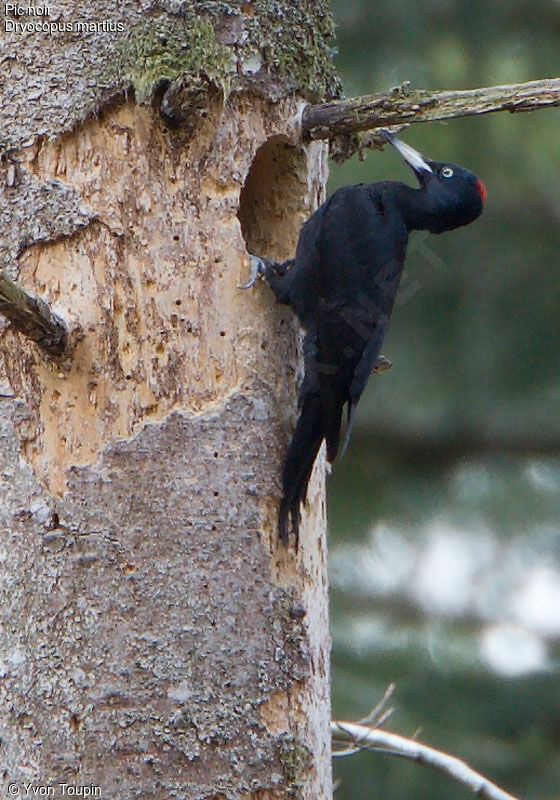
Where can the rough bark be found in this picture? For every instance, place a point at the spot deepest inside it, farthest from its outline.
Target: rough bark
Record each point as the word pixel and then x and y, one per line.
pixel 154 641
pixel 53 78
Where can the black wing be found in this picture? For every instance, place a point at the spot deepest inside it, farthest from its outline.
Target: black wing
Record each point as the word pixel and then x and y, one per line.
pixel 343 285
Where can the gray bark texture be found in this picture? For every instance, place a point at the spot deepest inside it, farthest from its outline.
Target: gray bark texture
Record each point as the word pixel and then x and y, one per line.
pixel 154 640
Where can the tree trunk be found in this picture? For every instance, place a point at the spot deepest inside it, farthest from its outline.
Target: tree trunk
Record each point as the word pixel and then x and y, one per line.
pixel 155 640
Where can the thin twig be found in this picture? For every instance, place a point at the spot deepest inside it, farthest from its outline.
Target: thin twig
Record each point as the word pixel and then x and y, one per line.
pixel 346 751
pixel 374 739
pixel 401 105
pixel 32 317
pixel 379 713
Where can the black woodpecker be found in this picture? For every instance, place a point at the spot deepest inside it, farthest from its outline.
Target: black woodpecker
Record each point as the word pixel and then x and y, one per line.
pixel 342 285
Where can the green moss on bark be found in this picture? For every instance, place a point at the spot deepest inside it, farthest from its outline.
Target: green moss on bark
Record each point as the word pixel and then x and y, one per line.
pixel 164 48
pixel 274 47
pixel 287 41
pixel 295 759
pixel 294 40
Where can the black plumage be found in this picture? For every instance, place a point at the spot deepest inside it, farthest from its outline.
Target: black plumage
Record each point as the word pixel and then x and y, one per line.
pixel 342 285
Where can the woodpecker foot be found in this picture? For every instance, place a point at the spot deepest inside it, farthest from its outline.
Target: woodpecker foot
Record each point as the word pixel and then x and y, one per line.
pixel 382 364
pixel 258 269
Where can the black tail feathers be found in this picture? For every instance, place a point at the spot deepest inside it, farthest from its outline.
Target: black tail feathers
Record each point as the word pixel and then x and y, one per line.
pixel 302 453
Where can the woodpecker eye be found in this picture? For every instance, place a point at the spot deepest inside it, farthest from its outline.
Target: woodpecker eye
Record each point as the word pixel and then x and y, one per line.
pixel 447 172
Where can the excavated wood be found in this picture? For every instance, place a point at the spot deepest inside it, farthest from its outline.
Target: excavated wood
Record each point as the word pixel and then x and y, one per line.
pixel 155 640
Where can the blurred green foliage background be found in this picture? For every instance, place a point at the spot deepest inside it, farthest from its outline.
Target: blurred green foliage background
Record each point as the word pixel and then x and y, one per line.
pixel 444 516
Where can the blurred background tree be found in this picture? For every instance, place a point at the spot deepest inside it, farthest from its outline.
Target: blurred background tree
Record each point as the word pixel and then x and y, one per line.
pixel 445 513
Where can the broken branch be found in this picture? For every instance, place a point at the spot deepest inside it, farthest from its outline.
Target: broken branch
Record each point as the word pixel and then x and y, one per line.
pixel 368 738
pixel 401 105
pixel 32 317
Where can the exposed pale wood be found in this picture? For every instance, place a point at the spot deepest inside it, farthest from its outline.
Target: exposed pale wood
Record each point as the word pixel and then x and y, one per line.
pixel 145 473
pixel 156 641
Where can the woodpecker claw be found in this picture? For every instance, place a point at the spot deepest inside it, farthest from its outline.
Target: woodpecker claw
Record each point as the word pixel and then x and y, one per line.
pixel 257 270
pixel 383 364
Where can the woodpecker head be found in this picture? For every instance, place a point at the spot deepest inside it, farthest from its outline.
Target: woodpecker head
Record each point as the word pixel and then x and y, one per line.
pixel 453 196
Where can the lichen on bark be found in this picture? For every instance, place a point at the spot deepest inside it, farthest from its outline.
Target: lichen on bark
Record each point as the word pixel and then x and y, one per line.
pixel 161 643
pixel 275 47
pixel 161 49
pixel 177 635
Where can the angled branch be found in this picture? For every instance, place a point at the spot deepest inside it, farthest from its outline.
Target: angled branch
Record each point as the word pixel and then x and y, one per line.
pixel 32 317
pixel 374 739
pixel 403 106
